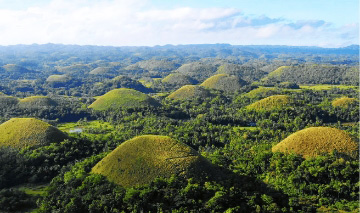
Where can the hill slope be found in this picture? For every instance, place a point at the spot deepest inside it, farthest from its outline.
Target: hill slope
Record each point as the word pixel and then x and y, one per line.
pixel 311 142
pixel 27 132
pixel 190 92
pixel 343 102
pixel 224 82
pixel 179 79
pixel 123 98
pixel 142 159
pixel 37 102
pixel 270 103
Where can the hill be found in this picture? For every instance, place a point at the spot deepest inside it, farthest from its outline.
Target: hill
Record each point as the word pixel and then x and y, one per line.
pixel 248 73
pixel 343 102
pixel 118 82
pixel 37 102
pixel 179 79
pixel 197 70
pixel 270 103
pixel 7 101
pixel 59 78
pixel 153 65
pixel 16 68
pixel 76 68
pixel 28 132
pixel 224 82
pixel 190 92
pixel 100 71
pixel 123 98
pixel 142 159
pixel 311 142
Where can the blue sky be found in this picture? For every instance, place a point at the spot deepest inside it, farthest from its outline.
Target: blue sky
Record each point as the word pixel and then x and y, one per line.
pixel 325 23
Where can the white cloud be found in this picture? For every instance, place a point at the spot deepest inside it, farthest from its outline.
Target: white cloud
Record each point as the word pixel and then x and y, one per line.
pixel 123 22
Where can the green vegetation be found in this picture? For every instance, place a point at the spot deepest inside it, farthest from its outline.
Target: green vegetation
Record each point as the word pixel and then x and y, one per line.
pixel 224 82
pixel 58 78
pixel 123 98
pixel 190 92
pixel 100 70
pixel 263 92
pixel 28 132
pixel 8 101
pixel 15 68
pixel 326 87
pixel 142 159
pixel 76 68
pixel 313 141
pixel 270 103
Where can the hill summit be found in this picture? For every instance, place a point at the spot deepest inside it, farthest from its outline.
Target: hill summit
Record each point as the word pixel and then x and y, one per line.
pixel 142 159
pixel 270 103
pixel 123 98
pixel 28 132
pixel 190 92
pixel 311 142
pixel 224 82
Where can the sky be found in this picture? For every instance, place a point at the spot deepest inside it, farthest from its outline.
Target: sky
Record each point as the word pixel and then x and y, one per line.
pixel 323 23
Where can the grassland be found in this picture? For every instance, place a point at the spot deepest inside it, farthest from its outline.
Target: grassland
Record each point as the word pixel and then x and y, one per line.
pixel 190 92
pixel 326 86
pixel 123 98
pixel 343 102
pixel 311 142
pixel 28 132
pixel 224 82
pixel 142 159
pixel 270 103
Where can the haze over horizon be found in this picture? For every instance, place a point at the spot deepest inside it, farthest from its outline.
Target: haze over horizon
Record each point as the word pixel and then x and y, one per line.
pixel 155 22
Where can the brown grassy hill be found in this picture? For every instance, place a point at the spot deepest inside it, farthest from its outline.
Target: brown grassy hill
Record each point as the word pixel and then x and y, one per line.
pixel 123 98
pixel 190 92
pixel 37 102
pixel 28 132
pixel 142 159
pixel 179 79
pixel 270 103
pixel 343 102
pixel 224 82
pixel 311 142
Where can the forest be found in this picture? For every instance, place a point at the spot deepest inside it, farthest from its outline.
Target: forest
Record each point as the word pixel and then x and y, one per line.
pixel 179 128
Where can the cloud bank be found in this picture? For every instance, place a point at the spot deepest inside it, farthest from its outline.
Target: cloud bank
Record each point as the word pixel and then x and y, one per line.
pixel 137 23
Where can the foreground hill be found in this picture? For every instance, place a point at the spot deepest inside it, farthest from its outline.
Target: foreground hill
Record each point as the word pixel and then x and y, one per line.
pixel 123 98
pixel 190 92
pixel 311 142
pixel 224 82
pixel 28 132
pixel 142 159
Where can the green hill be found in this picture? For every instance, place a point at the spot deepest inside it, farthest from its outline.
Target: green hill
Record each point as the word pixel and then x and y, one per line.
pixel 76 68
pixel 100 70
pixel 179 79
pixel 28 132
pixel 270 103
pixel 247 73
pixel 123 98
pixel 59 78
pixel 190 92
pixel 37 102
pixel 153 65
pixel 197 70
pixel 142 159
pixel 16 68
pixel 343 102
pixel 224 82
pixel 311 142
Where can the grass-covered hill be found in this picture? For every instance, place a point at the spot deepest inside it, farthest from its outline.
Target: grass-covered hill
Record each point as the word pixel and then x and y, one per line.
pixel 59 78
pixel 190 92
pixel 153 65
pixel 197 70
pixel 16 68
pixel 37 102
pixel 224 82
pixel 179 79
pixel 116 83
pixel 7 101
pixel 101 71
pixel 74 69
pixel 314 74
pixel 270 103
pixel 123 98
pixel 343 102
pixel 311 142
pixel 263 92
pixel 28 132
pixel 248 73
pixel 142 159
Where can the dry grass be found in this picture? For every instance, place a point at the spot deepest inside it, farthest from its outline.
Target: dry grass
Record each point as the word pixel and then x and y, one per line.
pixel 123 98
pixel 270 103
pixel 142 159
pixel 311 142
pixel 190 92
pixel 28 132
pixel 343 102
